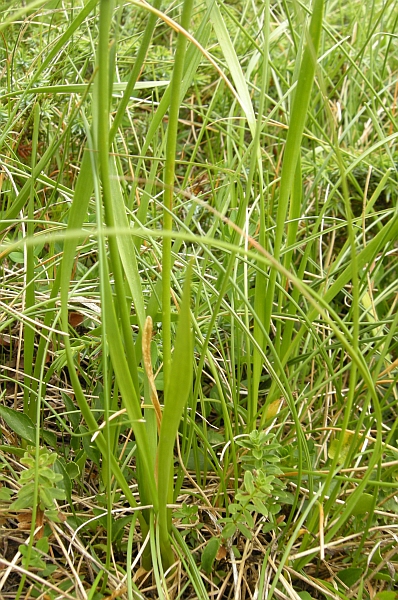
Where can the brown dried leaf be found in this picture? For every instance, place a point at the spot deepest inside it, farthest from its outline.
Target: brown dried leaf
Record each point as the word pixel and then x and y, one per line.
pixel 141 572
pixel 75 318
pixel 222 553
pixel 116 593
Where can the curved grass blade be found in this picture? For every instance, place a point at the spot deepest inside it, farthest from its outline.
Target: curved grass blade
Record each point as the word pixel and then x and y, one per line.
pixel 175 399
pixel 293 143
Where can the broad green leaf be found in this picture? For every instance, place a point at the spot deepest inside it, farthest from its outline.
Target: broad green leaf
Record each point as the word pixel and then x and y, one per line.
pixel 119 525
pixel 228 531
pixel 341 447
pixel 72 469
pixel 272 409
pixel 50 438
pixel 22 502
pixel 295 134
pixel 365 504
pixel 43 545
pixel 57 493
pixel 35 559
pixel 177 392
pixel 19 423
pixel 73 414
pixel 46 498
pixel 386 595
pixel 350 576
pixel 249 483
pixel 5 494
pixel 26 490
pixel 261 508
pixel 209 554
pixel 17 257
pixel 89 447
pixel 244 530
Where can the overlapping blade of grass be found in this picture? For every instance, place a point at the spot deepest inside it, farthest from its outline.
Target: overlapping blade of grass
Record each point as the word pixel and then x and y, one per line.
pixel 227 47
pixel 297 121
pixel 138 63
pixel 76 219
pixel 168 192
pixel 191 64
pixel 120 344
pixel 128 392
pixel 126 246
pixel 176 395
pixel 344 336
pixel 261 282
pixel 119 338
pixel 30 400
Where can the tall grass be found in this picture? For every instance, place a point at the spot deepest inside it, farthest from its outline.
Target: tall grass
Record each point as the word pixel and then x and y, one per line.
pixel 199 290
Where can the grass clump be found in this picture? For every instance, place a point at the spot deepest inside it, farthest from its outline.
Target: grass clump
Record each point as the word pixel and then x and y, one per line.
pixel 198 293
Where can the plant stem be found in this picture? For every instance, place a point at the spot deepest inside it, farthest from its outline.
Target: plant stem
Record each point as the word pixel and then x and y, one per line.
pixel 169 173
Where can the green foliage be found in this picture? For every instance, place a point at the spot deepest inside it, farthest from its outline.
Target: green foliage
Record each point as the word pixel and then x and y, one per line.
pixel 262 491
pixel 20 423
pixel 350 576
pixel 209 554
pixel 34 558
pixel 39 475
pixel 5 494
pixel 187 513
pixel 239 191
pixel 386 596
pixel 262 451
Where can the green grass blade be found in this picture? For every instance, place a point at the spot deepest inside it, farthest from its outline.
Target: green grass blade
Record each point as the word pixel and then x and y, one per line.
pixel 77 215
pixel 130 398
pixel 168 192
pixel 175 399
pixel 233 63
pixel 125 244
pixel 30 403
pixel 293 143
pixel 138 64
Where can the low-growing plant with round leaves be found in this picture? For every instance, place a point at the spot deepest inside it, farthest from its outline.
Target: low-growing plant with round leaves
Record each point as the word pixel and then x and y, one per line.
pixel 262 491
pixel 40 469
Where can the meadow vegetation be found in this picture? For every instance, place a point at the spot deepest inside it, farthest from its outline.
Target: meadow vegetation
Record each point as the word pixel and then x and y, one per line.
pixel 198 294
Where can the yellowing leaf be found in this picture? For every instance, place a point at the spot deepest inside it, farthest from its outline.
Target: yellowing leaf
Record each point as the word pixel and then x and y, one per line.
pixel 272 409
pixel 334 446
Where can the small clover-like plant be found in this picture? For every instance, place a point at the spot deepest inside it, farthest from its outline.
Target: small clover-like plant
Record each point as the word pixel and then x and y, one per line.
pixel 47 480
pixel 262 451
pixel 187 513
pixel 36 557
pixel 262 491
pixel 190 518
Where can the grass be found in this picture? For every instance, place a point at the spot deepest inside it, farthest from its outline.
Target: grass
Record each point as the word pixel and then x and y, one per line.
pixel 198 328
